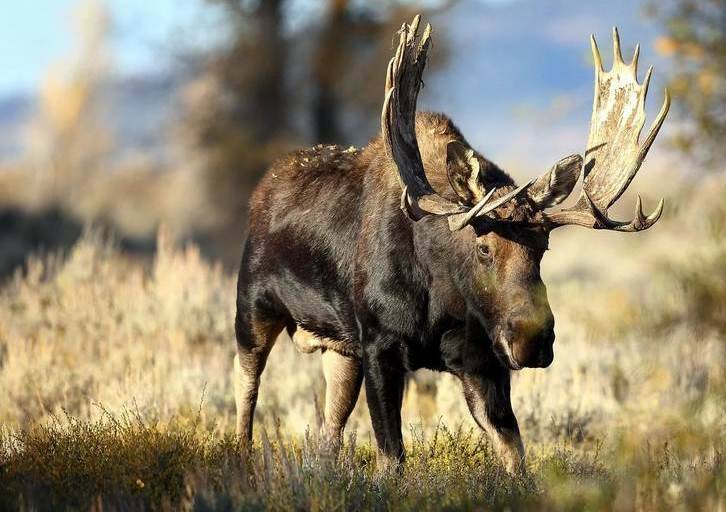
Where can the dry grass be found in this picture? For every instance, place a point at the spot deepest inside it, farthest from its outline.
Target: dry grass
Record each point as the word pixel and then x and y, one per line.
pixel 128 463
pixel 116 389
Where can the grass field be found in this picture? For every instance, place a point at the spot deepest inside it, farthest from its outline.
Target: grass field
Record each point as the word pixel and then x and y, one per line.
pixel 116 394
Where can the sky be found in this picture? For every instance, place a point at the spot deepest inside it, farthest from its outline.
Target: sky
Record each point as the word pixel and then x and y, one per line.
pixel 518 83
pixel 35 34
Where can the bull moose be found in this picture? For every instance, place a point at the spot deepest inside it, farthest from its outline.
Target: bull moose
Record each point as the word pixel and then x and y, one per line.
pixel 418 252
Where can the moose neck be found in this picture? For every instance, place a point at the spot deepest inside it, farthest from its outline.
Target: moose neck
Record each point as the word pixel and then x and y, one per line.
pixel 449 261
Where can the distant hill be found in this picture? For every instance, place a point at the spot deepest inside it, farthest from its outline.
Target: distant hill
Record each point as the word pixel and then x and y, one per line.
pixel 137 111
pixel 14 112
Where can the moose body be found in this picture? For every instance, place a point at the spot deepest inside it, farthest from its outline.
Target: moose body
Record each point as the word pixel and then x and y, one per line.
pixel 330 251
pixel 441 274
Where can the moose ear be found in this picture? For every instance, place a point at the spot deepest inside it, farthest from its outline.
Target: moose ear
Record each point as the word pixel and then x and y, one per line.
pixel 555 185
pixel 462 168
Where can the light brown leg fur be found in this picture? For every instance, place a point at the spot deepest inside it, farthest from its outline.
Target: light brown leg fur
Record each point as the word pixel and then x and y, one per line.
pixel 248 366
pixel 343 378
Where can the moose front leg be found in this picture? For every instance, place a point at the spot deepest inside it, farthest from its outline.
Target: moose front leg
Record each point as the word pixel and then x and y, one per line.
pixel 384 377
pixel 490 405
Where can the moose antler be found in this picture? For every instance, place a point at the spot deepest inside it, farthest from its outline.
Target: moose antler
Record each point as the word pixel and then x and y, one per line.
pixel 614 155
pixel 398 121
pixel 398 126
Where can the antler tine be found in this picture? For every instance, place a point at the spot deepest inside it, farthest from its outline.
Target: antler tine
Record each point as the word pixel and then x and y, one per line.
pixel 505 198
pixel 634 61
pixel 596 54
pixel 413 30
pixel 483 207
pixel 398 123
pixel 617 54
pixel 389 78
pixel 425 38
pixel 646 81
pixel 614 153
pixel 460 220
pixel 592 217
pixel 652 133
pixel 640 222
pixel 655 127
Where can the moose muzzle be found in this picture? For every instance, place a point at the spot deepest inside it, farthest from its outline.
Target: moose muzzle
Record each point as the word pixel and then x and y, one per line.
pixel 531 340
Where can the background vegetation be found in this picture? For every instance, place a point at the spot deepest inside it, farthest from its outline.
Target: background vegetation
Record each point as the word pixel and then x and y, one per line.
pixel 116 336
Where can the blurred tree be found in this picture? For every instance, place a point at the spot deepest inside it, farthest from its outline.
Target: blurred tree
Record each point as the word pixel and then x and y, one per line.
pixel 696 39
pixel 235 112
pixel 282 79
pixel 67 139
pixel 67 146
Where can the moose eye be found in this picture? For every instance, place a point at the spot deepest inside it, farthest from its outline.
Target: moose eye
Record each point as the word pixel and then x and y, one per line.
pixel 484 253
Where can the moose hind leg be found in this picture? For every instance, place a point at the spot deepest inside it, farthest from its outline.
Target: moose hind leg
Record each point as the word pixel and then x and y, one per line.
pixel 343 378
pixel 255 339
pixel 384 381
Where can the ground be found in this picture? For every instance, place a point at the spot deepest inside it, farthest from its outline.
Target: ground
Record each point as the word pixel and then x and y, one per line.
pixel 116 392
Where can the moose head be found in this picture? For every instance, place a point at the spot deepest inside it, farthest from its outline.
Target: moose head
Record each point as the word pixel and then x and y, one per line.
pixel 500 231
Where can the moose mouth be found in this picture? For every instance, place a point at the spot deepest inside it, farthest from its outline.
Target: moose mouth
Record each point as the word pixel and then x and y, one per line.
pixel 503 350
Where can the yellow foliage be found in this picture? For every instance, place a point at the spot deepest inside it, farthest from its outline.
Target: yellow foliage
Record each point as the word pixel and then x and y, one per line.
pixel 665 45
pixel 670 46
pixel 707 81
pixel 62 101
